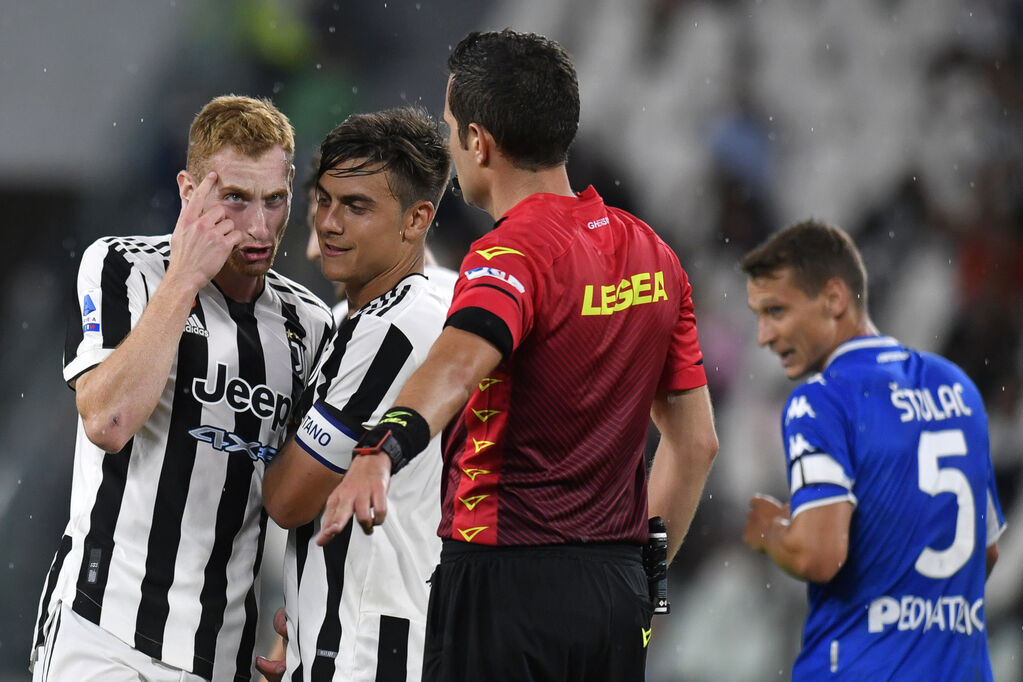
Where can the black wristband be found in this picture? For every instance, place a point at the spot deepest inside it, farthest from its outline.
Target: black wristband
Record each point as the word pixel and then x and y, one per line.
pixel 401 434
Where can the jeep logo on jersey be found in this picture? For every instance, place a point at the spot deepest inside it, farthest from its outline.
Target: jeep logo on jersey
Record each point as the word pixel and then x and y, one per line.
pixel 262 400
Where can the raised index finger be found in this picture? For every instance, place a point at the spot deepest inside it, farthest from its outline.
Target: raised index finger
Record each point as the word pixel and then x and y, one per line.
pixel 192 208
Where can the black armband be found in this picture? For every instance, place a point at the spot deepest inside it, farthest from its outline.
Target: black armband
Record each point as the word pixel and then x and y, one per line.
pixel 401 434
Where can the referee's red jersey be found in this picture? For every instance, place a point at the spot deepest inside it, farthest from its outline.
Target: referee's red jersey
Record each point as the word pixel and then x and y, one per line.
pixel 595 315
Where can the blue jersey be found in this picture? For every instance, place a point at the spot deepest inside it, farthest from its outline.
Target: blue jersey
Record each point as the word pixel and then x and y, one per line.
pixel 902 435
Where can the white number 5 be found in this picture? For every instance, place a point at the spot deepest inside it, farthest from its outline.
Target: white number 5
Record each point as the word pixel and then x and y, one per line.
pixel 933 480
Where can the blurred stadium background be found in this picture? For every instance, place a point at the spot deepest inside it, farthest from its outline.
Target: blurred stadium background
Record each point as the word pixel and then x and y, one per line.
pixel 718 121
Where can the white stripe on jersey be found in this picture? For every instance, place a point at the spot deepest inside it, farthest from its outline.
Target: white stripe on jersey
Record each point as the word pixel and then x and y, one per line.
pixel 343 599
pixel 163 545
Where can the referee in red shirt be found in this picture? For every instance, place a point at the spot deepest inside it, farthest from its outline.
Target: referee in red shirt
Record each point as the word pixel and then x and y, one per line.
pixel 572 324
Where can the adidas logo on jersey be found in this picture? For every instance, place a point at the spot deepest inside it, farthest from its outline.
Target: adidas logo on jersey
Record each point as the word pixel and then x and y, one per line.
pixel 194 326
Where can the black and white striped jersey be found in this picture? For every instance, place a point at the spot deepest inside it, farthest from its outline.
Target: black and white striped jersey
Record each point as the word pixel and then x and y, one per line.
pixel 357 607
pixel 165 539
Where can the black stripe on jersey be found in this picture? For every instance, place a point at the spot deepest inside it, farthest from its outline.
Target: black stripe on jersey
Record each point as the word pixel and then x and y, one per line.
pixel 394 351
pixel 99 541
pixel 276 283
pixel 51 582
pixel 341 338
pixel 297 336
pixel 233 503
pixel 49 650
pixel 116 321
pixel 243 663
pixel 303 534
pixel 392 650
pixel 328 641
pixel 171 494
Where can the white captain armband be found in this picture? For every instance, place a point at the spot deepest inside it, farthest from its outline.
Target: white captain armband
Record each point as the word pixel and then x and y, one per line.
pixel 326 439
pixel 817 469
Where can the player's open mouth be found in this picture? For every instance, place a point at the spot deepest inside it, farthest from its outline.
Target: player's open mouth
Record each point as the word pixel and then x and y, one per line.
pixel 257 253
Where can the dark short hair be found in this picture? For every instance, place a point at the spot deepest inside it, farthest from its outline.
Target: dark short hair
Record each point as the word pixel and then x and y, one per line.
pixel 405 142
pixel 522 88
pixel 816 252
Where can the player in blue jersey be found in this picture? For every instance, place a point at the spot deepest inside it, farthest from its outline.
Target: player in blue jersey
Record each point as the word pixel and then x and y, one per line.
pixel 893 517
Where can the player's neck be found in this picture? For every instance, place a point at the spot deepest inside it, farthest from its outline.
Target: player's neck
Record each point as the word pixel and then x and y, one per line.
pixel 856 325
pixel 239 287
pixel 512 185
pixel 359 294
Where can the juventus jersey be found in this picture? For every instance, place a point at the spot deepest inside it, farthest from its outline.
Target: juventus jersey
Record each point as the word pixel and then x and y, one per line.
pixel 164 543
pixel 357 607
pixel 903 436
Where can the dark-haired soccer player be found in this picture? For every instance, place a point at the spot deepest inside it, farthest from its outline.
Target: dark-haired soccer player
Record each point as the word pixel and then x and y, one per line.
pixel 894 516
pixel 570 320
pixel 188 355
pixel 356 609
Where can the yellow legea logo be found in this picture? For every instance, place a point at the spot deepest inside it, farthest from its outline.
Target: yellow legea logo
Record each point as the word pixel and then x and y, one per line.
pixel 482 444
pixel 487 383
pixel 471 502
pixel 470 533
pixel 495 251
pixel 607 299
pixel 646 635
pixel 473 473
pixel 484 415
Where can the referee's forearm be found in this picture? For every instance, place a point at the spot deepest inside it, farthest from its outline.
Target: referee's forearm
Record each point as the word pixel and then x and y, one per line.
pixel 440 388
pixel 682 461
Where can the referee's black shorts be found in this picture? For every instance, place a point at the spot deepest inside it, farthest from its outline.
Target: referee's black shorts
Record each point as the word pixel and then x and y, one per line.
pixel 538 614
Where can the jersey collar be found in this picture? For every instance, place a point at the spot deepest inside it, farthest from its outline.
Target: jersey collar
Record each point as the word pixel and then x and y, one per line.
pixel 859 343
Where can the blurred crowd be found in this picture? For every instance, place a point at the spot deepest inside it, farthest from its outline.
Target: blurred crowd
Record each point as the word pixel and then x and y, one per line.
pixel 718 122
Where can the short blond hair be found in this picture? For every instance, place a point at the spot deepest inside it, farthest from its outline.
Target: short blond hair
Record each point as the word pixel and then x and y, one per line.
pixel 250 125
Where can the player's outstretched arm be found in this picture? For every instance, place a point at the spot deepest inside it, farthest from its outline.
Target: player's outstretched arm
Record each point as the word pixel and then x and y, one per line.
pixel 296 486
pixel 457 362
pixel 682 460
pixel 116 397
pixel 813 546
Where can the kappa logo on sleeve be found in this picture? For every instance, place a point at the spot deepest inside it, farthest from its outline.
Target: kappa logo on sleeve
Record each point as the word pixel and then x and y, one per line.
pixel 799 446
pixel 90 311
pixel 799 408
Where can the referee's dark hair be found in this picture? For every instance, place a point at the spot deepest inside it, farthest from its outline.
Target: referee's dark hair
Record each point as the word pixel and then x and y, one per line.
pixel 816 252
pixel 406 141
pixel 522 88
